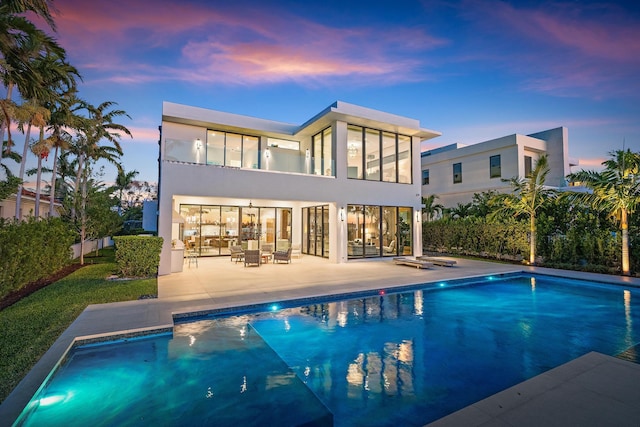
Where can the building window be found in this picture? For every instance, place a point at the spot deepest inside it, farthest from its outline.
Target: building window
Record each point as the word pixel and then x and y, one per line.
pixel 425 177
pixel 378 156
pixel 495 170
pixel 374 231
pixel 323 153
pixel 527 166
pixel 457 173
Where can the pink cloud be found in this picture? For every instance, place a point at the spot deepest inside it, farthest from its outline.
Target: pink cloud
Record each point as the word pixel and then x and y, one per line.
pixel 211 44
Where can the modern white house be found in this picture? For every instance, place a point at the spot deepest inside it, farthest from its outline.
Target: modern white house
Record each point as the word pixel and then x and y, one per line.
pixel 454 173
pixel 344 185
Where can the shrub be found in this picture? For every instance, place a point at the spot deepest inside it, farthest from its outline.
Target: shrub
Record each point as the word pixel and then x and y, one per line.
pixel 31 250
pixel 138 256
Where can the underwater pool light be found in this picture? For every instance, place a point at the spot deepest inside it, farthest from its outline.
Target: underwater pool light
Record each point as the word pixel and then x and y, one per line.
pixel 275 307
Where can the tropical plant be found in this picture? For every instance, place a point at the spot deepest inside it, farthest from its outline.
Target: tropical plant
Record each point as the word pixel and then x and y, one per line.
pixel 123 182
pixel 431 209
pixel 528 197
pixel 615 190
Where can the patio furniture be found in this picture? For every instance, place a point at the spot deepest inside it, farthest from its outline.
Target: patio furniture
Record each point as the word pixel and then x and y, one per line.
pixel 236 253
pixel 252 257
pixel 412 262
pixel 391 248
pixel 267 251
pixel 284 256
pixel 438 261
pixel 192 257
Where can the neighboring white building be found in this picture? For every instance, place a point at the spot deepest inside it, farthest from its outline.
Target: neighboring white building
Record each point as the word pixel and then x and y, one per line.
pixel 345 184
pixel 454 173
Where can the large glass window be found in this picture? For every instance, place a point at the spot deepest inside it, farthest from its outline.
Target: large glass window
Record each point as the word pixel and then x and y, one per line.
pixel 315 226
pixel 323 153
pixel 372 154
pixel 404 159
pixel 386 156
pixel 374 231
pixel 354 152
pixel 495 169
pixel 389 157
pixel 250 150
pixel 215 148
pixel 457 173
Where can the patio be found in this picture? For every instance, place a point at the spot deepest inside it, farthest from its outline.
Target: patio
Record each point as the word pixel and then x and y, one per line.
pixel 220 283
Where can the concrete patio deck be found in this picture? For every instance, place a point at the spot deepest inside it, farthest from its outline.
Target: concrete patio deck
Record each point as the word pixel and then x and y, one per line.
pixel 560 397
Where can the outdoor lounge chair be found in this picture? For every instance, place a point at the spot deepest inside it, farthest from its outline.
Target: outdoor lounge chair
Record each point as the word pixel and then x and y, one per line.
pixel 252 256
pixel 266 249
pixel 236 252
pixel 438 261
pixel 412 262
pixel 282 256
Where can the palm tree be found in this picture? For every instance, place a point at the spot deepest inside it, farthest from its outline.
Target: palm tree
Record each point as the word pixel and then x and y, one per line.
pixel 528 196
pixel 430 208
pixel 30 114
pixel 615 190
pixel 124 181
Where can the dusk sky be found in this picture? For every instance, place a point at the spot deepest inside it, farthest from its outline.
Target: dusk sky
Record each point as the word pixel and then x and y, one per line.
pixel 473 70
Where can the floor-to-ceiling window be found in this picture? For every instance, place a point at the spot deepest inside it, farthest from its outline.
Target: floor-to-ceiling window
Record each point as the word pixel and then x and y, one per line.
pixel 374 231
pixel 315 229
pixel 211 229
pixel 323 163
pixel 375 155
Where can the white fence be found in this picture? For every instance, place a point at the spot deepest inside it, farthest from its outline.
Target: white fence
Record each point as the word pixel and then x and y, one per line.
pixel 91 245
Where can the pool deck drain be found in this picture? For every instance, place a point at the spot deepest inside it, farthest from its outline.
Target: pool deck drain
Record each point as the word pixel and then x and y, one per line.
pixel 557 397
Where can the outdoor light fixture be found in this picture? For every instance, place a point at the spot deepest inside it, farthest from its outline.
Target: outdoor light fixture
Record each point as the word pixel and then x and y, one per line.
pixel 267 153
pixel 198 144
pixel 417 216
pixel 307 154
pixel 342 214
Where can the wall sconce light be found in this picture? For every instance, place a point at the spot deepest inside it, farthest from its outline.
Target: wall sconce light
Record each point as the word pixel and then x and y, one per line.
pixel 267 153
pixel 198 144
pixel 307 154
pixel 417 216
pixel 342 214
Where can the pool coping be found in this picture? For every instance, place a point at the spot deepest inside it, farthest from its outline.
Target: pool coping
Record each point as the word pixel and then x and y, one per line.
pixel 160 313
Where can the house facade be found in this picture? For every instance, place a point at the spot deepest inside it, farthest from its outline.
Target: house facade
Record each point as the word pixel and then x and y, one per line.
pixel 454 173
pixel 344 185
pixel 28 205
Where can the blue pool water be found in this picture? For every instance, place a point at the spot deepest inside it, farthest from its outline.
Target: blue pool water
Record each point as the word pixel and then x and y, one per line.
pixel 389 359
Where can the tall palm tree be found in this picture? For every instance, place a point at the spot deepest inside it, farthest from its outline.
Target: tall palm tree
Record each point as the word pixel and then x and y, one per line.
pixel 615 190
pixel 430 208
pixel 528 197
pixel 29 114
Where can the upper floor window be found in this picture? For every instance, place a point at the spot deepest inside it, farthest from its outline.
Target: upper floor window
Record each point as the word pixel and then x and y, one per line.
pixel 375 155
pixel 322 149
pixel 232 149
pixel 528 166
pixel 457 173
pixel 495 169
pixel 425 177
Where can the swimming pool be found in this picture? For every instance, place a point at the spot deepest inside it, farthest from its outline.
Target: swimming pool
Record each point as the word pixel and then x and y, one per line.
pixel 388 359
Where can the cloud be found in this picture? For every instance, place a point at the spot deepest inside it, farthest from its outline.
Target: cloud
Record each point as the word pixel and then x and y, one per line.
pixel 567 49
pixel 147 41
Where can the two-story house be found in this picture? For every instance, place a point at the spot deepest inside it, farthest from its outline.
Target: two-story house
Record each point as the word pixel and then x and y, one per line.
pixel 454 173
pixel 344 185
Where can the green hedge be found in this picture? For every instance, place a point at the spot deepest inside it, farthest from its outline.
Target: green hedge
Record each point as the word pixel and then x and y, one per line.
pixel 138 256
pixel 32 250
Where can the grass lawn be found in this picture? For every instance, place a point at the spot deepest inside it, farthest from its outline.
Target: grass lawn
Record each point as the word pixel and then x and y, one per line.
pixel 29 327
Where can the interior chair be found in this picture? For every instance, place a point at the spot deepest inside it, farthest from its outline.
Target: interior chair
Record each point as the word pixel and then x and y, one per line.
pixel 391 248
pixel 252 256
pixel 282 256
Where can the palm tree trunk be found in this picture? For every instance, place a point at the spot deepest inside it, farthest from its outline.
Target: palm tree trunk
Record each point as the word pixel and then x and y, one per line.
pixel 532 248
pixel 54 172
pixel 624 224
pixel 76 189
pixel 83 216
pixel 23 164
pixel 36 211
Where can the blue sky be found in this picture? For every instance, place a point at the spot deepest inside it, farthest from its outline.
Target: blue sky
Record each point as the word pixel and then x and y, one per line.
pixel 473 70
